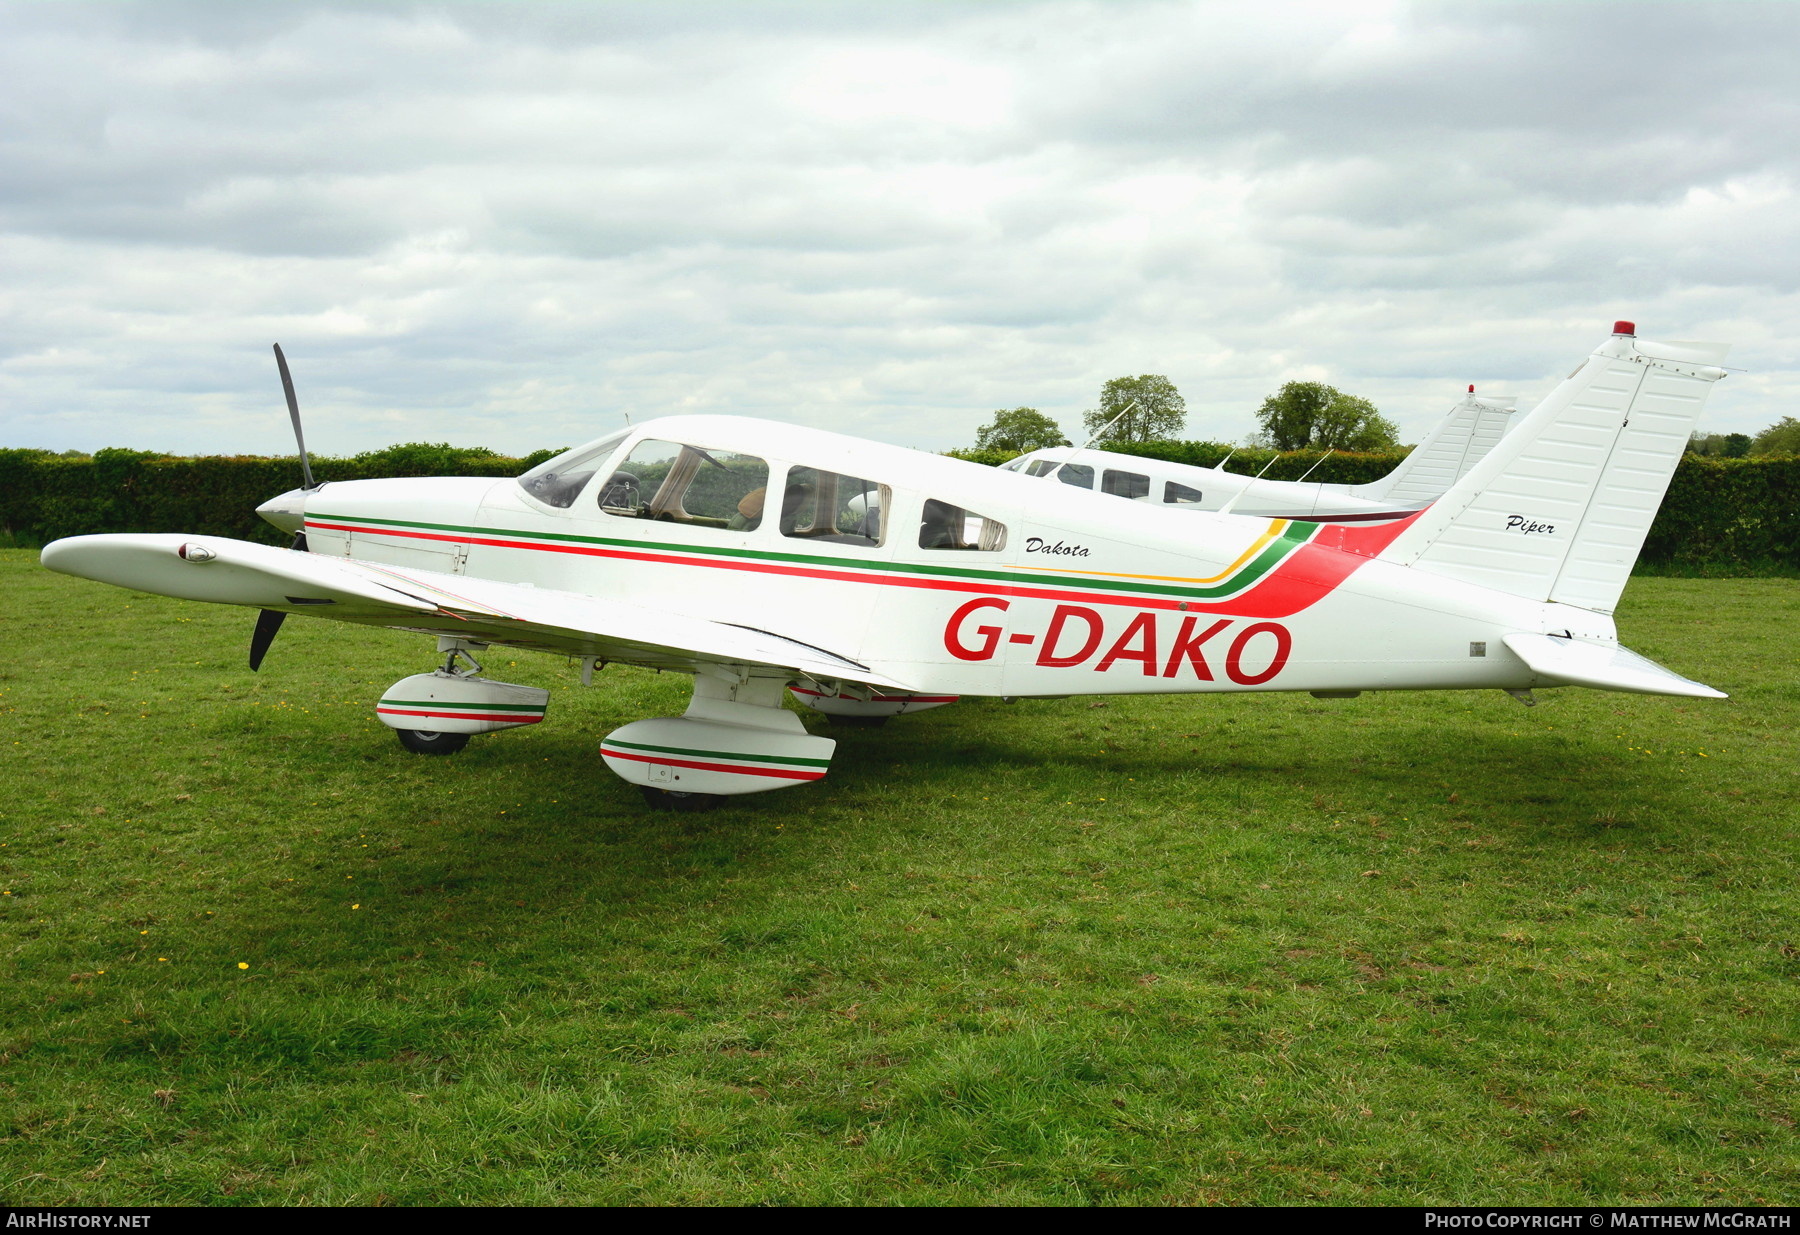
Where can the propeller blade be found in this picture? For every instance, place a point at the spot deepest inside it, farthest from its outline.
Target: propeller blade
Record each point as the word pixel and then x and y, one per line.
pixel 268 621
pixel 287 388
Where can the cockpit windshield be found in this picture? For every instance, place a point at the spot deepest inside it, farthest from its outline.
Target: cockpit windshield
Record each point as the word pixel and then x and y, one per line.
pixel 559 481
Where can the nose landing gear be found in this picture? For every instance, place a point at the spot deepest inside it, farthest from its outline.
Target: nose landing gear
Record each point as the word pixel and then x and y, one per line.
pixel 426 742
pixel 436 713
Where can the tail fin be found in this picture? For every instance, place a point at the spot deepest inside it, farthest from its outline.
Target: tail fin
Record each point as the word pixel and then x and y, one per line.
pixel 1460 441
pixel 1559 510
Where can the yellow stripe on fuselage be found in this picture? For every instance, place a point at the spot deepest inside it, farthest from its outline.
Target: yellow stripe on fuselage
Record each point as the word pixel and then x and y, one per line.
pixel 1276 527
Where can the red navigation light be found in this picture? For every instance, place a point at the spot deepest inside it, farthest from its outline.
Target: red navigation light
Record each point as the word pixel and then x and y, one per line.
pixel 1471 387
pixel 1627 328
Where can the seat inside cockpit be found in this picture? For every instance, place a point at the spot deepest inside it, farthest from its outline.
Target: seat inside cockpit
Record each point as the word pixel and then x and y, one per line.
pixel 833 508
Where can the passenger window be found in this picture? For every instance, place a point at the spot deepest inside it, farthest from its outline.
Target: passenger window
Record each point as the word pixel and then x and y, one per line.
pixel 1179 495
pixel 1078 474
pixel 685 484
pixel 1125 484
pixel 1040 467
pixel 951 527
pixel 559 481
pixel 837 509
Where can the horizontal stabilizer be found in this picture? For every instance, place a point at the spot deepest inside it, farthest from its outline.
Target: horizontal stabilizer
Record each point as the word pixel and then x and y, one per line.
pixel 1606 666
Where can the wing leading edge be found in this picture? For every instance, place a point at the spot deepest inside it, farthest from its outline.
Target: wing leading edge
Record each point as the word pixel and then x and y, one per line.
pixel 237 572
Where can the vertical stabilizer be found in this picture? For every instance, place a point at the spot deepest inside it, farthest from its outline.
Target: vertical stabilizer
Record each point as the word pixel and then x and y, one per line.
pixel 1460 441
pixel 1559 509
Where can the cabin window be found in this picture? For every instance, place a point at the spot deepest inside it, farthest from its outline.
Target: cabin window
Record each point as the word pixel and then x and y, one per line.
pixel 559 481
pixel 834 508
pixel 1179 495
pixel 1078 474
pixel 1125 484
pixel 677 483
pixel 1040 467
pixel 951 527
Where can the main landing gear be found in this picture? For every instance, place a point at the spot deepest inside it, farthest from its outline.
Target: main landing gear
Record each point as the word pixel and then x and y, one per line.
pixel 426 742
pixel 735 737
pixel 679 800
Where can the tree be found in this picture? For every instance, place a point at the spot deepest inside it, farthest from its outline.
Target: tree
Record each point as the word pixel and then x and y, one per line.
pixel 1022 429
pixel 1158 416
pixel 1314 416
pixel 1780 438
pixel 1720 445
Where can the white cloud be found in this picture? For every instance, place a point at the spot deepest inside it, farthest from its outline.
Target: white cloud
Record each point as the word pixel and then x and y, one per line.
pixel 513 225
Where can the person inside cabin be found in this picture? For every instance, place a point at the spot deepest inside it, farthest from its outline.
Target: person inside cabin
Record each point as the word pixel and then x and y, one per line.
pixel 749 511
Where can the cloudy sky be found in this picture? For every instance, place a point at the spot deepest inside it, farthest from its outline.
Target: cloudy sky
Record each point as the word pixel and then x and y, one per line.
pixel 513 225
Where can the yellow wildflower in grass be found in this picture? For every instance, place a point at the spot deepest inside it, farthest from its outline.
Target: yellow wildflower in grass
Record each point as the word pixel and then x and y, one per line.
pixel 243 964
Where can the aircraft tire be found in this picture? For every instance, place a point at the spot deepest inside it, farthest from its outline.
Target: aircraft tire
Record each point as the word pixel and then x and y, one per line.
pixel 425 742
pixel 857 722
pixel 675 799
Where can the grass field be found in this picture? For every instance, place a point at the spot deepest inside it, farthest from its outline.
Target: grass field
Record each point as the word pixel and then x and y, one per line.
pixel 1399 949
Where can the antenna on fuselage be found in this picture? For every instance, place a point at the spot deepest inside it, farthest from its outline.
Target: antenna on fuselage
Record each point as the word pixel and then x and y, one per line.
pixel 1226 508
pixel 1315 467
pixel 1101 432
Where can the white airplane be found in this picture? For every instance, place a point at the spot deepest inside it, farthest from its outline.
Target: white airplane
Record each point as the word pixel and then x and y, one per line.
pixel 874 580
pixel 1460 441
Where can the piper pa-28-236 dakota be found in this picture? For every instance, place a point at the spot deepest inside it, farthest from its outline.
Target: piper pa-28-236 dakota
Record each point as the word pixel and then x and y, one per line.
pixel 871 580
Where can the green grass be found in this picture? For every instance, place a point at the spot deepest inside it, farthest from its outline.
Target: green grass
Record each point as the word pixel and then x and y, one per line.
pixel 1400 949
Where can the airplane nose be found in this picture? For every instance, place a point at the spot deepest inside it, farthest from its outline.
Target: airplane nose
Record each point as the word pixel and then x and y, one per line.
pixel 287 512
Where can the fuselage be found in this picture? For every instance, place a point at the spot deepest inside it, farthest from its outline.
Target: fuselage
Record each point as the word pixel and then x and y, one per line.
pixel 954 577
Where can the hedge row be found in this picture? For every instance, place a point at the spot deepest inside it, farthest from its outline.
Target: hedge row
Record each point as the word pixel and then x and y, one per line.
pixel 45 496
pixel 1719 514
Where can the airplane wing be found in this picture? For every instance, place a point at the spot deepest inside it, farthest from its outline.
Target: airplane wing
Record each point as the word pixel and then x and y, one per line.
pixel 237 572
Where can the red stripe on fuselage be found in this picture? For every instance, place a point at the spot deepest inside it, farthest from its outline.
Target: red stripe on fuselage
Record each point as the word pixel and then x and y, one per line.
pixel 1315 569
